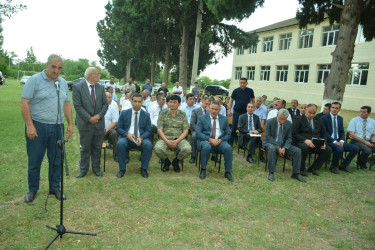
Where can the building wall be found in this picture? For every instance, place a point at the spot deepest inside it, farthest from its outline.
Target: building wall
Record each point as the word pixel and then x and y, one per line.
pixel 311 92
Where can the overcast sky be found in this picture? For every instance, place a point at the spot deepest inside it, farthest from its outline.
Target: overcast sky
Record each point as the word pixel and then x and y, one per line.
pixel 68 28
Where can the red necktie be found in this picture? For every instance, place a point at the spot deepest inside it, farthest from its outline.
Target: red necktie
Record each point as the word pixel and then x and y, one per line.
pixel 213 135
pixel 93 96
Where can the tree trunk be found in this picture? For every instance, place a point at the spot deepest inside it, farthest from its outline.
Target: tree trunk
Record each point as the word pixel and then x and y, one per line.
pixel 153 65
pixel 167 58
pixel 194 71
pixel 342 56
pixel 128 66
pixel 183 65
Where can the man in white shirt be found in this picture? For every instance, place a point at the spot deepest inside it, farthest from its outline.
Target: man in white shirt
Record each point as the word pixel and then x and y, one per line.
pixel 177 90
pixel 223 110
pixel 189 106
pixel 125 102
pixel 145 98
pixel 155 111
pixel 279 104
pixel 110 123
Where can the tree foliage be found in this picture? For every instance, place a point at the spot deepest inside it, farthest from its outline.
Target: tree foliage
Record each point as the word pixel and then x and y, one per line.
pixel 7 9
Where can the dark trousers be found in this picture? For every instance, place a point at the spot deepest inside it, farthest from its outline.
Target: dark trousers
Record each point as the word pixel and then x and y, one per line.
pixel 252 142
pixel 91 142
pixel 236 116
pixel 323 155
pixel 366 151
pixel 48 134
pixel 292 153
pixel 223 148
pixel 193 144
pixel 338 152
pixel 123 147
pixel 112 137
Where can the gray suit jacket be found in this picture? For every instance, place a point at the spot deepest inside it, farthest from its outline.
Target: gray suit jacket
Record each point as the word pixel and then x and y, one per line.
pixel 270 134
pixel 84 107
pixel 195 114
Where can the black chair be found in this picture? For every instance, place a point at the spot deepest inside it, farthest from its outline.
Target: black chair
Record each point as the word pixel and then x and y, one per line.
pixel 266 163
pixel 198 159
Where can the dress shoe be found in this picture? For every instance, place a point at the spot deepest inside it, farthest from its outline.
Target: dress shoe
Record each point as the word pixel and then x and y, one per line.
pixel 241 147
pixel 99 173
pixel 262 159
pixel 228 175
pixel 250 159
pixel 115 158
pixel 271 177
pixel 192 160
pixel 363 167
pixel 345 169
pixel 127 160
pixel 334 170
pixel 30 196
pixel 57 194
pixel 298 177
pixel 167 163
pixel 121 173
pixel 304 173
pixel 80 175
pixel 203 174
pixel 313 171
pixel 176 167
pixel 144 173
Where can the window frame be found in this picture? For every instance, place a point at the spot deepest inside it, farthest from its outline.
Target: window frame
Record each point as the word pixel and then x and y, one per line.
pixel 265 71
pixel 268 44
pixel 238 73
pixel 285 42
pixel 303 71
pixel 250 72
pixel 351 76
pixel 323 72
pixel 330 35
pixel 302 39
pixel 282 73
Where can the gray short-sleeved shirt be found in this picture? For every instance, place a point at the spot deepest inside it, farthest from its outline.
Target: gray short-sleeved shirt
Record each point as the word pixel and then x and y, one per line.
pixel 41 92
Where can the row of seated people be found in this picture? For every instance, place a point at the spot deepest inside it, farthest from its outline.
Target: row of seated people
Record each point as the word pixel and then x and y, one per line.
pixel 173 126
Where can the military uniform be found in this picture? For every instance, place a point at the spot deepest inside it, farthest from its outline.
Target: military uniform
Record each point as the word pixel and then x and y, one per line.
pixel 173 127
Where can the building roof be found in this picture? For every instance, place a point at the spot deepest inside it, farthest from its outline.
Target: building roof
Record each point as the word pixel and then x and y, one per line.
pixel 279 25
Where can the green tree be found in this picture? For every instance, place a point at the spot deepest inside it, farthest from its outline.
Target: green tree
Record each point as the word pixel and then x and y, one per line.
pixel 349 15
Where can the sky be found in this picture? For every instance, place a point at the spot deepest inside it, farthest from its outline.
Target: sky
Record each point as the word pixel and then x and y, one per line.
pixel 68 28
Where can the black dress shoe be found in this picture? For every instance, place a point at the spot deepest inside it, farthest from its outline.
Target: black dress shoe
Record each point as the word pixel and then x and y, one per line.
pixel 176 167
pixel 250 159
pixel 345 169
pixel 57 194
pixel 99 173
pixel 271 177
pixel 298 177
pixel 228 175
pixel 203 174
pixel 241 147
pixel 144 173
pixel 121 173
pixel 167 163
pixel 192 160
pixel 334 170
pixel 80 175
pixel 262 159
pixel 313 171
pixel 304 173
pixel 30 196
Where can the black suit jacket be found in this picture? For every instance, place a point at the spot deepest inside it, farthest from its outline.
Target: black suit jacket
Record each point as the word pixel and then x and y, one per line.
pixel 301 130
pixel 327 120
pixel 195 114
pixel 243 123
pixel 298 113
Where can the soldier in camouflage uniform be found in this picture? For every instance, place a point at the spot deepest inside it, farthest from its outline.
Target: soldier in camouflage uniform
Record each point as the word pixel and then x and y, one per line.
pixel 173 128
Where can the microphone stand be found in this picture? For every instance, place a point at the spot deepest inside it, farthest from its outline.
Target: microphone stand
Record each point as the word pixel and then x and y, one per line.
pixel 60 229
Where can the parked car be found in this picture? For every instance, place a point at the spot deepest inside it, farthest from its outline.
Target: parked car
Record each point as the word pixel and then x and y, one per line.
pixel 216 90
pixel 71 83
pixel 24 79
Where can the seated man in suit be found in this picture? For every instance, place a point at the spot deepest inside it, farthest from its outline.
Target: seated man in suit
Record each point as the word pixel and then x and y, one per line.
pixel 193 123
pixel 134 129
pixel 362 133
pixel 293 110
pixel 213 133
pixel 326 110
pixel 278 140
pixel 305 128
pixel 249 124
pixel 336 139
pixel 173 128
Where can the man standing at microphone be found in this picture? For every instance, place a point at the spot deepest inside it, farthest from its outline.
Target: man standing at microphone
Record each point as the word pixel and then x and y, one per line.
pixel 44 101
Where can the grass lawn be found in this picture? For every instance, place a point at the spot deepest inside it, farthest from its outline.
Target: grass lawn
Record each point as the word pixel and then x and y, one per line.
pixel 170 210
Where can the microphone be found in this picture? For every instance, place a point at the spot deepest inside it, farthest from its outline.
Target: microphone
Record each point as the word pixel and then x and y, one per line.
pixel 57 85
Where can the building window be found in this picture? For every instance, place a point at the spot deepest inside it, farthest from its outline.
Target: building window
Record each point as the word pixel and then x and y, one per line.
pixel 306 39
pixel 282 73
pixel 267 44
pixel 285 41
pixel 238 73
pixel 253 49
pixel 358 74
pixel 323 72
pixel 265 73
pixel 302 73
pixel 240 50
pixel 360 36
pixel 250 73
pixel 330 35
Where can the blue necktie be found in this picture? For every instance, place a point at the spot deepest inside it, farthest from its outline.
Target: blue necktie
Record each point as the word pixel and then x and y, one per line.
pixel 280 139
pixel 334 129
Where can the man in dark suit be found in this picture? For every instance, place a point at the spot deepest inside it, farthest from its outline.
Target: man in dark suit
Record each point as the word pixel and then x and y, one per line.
pixel 196 113
pixel 213 133
pixel 278 140
pixel 248 123
pixel 134 129
pixel 336 139
pixel 90 103
pixel 305 128
pixel 293 110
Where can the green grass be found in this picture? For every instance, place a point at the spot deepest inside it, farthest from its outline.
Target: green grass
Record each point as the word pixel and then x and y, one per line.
pixel 170 210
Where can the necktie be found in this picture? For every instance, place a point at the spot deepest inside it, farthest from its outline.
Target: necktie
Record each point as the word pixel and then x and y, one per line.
pixel 93 96
pixel 251 123
pixel 294 112
pixel 160 110
pixel 334 129
pixel 280 139
pixel 213 134
pixel 364 129
pixel 136 124
pixel 311 124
